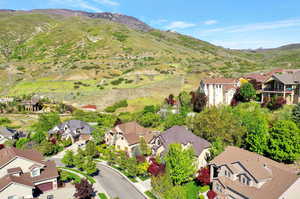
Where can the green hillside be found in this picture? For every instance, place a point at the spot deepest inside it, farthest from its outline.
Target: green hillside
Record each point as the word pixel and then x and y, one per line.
pixel 92 60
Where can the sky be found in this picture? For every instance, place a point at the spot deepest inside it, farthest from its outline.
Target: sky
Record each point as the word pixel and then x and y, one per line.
pixel 236 24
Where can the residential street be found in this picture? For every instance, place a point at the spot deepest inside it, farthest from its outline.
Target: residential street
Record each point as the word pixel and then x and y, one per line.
pixel 116 185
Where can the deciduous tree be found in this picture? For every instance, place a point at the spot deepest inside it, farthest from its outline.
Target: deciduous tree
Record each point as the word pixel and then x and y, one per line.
pixel 180 163
pixel 68 158
pixel 84 190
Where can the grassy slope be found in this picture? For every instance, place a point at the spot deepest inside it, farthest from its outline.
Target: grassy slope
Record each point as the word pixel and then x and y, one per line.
pixel 47 54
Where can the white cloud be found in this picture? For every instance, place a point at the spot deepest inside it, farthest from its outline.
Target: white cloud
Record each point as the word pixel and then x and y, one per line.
pixel 180 25
pixel 210 22
pixel 79 4
pixel 107 2
pixel 254 27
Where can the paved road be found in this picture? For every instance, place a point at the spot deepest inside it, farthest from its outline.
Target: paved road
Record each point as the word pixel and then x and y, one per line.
pixel 116 185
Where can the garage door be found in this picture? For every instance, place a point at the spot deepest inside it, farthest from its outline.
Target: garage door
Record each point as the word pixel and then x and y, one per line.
pixel 45 187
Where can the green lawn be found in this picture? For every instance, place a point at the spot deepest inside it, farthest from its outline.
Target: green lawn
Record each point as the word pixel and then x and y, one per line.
pixel 150 195
pixel 102 196
pixel 89 178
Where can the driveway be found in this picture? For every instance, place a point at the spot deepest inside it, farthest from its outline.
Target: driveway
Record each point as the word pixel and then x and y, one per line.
pixel 116 185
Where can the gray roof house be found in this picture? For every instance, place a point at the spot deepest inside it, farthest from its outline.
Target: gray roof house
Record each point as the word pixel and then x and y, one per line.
pixel 9 134
pixel 181 135
pixel 72 129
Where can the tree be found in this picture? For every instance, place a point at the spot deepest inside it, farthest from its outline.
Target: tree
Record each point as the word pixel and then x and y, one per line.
pixel 217 147
pixel 68 158
pixel 170 100
pixel 145 149
pixel 131 167
pixel 247 91
pixel 142 168
pixel 84 190
pixel 21 142
pixel 199 101
pixel 67 142
pixel 284 142
pixel 296 114
pixel 156 168
pixel 211 194
pixel 204 176
pixel 185 99
pixel 180 163
pixel 79 159
pixel 91 149
pixel 161 184
pixel 48 148
pixel 46 121
pixel 149 120
pixel 174 119
pixel 176 192
pixel 39 136
pixel 89 166
pixel 255 121
pixel 216 122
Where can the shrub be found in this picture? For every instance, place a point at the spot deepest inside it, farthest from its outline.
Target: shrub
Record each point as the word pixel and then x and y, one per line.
pixel 204 176
pixel 113 108
pixel 211 194
pixel 201 196
pixel 204 189
pixel 102 196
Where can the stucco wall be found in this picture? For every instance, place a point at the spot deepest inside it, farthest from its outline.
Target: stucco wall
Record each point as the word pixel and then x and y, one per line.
pixel 18 162
pixel 16 190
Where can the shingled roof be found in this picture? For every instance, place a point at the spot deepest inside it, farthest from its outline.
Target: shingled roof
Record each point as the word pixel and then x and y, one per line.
pixel 9 179
pixel 132 131
pixel 180 135
pixel 280 176
pixel 220 80
pixel 8 154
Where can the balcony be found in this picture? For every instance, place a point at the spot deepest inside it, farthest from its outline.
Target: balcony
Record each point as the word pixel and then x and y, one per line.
pixel 277 90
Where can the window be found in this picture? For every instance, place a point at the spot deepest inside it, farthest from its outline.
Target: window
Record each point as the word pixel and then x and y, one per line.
pixel 35 172
pixel 225 173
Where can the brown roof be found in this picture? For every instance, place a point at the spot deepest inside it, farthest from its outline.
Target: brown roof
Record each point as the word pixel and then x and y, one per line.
pixel 9 179
pixel 8 154
pixel 280 176
pixel 48 172
pixel 220 80
pixel 14 170
pixel 132 131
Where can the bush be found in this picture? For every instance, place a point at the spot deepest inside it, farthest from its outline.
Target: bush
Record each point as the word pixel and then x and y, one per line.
pixel 102 196
pixel 204 189
pixel 201 196
pixel 113 108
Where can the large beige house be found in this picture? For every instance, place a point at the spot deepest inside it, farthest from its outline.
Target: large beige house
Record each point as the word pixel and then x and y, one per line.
pixel 219 90
pixel 181 135
pixel 24 173
pixel 127 136
pixel 241 174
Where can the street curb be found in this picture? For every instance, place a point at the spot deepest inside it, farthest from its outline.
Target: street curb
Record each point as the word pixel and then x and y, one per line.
pixel 121 174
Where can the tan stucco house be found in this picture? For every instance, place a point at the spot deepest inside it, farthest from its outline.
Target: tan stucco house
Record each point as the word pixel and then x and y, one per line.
pixel 24 172
pixel 219 91
pixel 181 135
pixel 241 174
pixel 126 137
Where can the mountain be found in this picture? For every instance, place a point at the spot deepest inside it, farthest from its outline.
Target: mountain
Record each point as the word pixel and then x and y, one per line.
pixel 100 58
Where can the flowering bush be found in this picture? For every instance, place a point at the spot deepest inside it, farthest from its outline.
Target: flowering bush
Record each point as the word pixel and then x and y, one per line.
pixel 204 176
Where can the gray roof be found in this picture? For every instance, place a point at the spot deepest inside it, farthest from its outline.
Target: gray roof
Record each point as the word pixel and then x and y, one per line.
pixel 180 135
pixel 73 125
pixel 7 132
pixel 288 77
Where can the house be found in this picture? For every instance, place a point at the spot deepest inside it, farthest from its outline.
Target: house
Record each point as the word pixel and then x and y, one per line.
pixel 92 108
pixel 285 84
pixel 181 135
pixel 219 90
pixel 241 174
pixel 9 134
pixel 126 137
pixel 25 172
pixel 76 130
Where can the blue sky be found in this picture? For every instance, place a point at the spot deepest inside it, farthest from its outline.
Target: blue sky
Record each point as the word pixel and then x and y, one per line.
pixel 228 23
